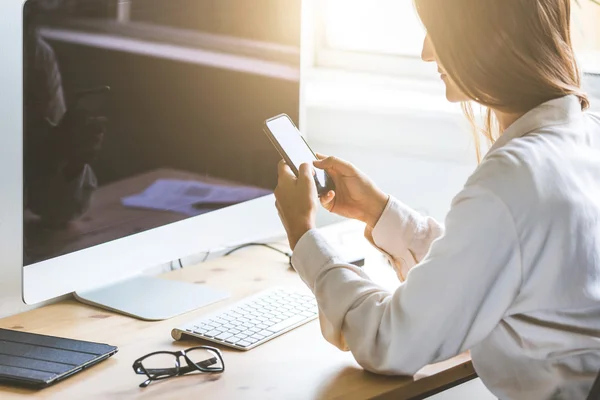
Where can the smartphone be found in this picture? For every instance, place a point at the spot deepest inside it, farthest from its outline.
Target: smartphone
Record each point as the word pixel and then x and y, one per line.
pixel 92 100
pixel 292 147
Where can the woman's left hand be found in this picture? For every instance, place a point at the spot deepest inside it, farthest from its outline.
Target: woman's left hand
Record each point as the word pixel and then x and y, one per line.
pixel 297 201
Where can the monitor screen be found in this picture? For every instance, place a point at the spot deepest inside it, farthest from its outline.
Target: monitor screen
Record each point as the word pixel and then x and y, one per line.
pixel 144 113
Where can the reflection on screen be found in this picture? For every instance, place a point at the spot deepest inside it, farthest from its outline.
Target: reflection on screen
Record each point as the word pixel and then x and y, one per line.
pixel 291 142
pixel 178 134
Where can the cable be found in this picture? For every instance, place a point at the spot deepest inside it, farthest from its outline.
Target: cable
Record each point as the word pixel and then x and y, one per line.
pixel 268 246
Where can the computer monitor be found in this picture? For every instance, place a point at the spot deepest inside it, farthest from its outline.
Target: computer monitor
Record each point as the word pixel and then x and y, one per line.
pixel 142 140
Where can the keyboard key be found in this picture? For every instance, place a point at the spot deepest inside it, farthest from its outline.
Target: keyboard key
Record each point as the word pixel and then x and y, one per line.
pixel 237 338
pixel 243 343
pixel 263 326
pixel 213 333
pixel 265 333
pixel 275 320
pixel 307 314
pixel 234 331
pixel 257 336
pixel 251 341
pixel 228 326
pixel 254 329
pixel 224 336
pixel 286 324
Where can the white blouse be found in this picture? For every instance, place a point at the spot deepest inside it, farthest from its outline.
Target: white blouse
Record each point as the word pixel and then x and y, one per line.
pixel 514 276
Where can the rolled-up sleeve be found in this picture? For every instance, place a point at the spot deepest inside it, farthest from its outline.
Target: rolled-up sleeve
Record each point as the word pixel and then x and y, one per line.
pixel 404 235
pixel 450 301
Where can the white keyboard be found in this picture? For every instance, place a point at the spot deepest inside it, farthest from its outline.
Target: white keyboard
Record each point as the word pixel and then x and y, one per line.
pixel 254 320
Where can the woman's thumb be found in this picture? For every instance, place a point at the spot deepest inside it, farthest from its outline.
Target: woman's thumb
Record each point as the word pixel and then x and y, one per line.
pixel 324 163
pixel 328 200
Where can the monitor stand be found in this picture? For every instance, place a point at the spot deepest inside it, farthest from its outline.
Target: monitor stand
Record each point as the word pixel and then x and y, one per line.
pixel 151 299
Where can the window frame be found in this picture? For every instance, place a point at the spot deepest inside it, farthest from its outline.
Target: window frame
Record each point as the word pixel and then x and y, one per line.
pixel 408 67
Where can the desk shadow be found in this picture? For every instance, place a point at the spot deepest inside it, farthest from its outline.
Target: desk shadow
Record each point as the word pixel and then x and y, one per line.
pixel 349 383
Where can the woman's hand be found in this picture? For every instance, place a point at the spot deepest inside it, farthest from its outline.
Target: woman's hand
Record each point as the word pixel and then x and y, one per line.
pixel 355 195
pixel 297 201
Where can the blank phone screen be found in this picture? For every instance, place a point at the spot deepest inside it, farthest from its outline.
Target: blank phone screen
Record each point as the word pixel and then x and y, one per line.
pixel 290 140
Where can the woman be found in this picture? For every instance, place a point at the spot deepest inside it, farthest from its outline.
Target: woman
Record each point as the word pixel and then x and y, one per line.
pixel 514 274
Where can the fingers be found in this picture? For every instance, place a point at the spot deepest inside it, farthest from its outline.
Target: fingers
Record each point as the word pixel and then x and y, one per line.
pixel 321 156
pixel 335 164
pixel 285 172
pixel 306 174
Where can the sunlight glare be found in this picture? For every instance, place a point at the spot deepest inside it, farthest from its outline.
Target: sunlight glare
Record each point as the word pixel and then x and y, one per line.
pixel 380 26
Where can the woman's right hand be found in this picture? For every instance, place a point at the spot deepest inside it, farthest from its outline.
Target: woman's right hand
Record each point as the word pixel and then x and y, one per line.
pixel 355 195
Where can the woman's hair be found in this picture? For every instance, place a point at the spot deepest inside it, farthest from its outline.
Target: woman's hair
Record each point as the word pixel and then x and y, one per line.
pixel 507 55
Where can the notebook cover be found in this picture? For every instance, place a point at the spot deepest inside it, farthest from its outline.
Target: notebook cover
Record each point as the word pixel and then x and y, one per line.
pixel 40 360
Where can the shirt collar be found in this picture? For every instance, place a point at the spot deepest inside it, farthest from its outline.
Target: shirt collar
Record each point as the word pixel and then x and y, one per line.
pixel 554 112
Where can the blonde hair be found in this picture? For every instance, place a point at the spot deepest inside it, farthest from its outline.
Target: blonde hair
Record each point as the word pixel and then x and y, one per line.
pixel 508 55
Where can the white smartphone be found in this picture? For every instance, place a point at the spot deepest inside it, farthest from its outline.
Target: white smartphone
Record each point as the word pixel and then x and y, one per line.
pixel 292 147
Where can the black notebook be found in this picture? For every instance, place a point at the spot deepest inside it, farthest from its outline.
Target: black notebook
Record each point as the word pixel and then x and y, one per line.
pixel 38 361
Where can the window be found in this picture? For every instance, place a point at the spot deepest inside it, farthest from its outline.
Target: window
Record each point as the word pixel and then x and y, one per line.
pixel 586 34
pixel 380 24
pixel 386 36
pixel 373 36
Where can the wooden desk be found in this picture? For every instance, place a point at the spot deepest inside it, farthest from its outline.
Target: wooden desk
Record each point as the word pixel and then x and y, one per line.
pixel 297 365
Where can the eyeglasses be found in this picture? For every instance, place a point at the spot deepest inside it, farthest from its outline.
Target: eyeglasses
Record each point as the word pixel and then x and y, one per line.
pixel 166 364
